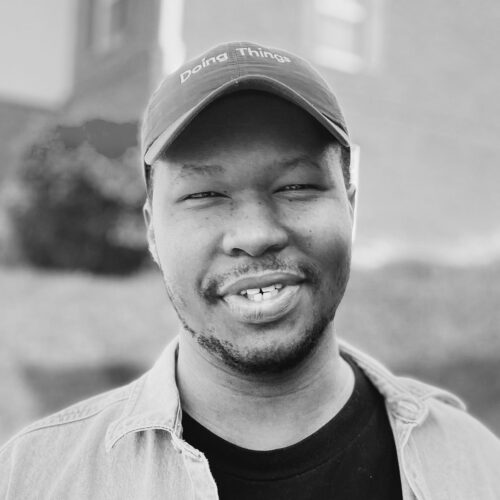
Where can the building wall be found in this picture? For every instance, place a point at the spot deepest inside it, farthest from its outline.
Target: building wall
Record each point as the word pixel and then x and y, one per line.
pixel 427 119
pixel 52 71
pixel 425 113
pixel 116 84
pixel 36 51
pixel 209 23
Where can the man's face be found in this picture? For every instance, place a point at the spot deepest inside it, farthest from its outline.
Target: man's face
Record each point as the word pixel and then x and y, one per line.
pixel 251 226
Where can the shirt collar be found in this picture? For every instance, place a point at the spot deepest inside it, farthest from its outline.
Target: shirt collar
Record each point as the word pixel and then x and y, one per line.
pixel 406 398
pixel 154 402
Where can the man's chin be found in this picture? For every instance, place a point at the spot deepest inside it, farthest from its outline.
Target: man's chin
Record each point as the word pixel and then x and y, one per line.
pixel 267 355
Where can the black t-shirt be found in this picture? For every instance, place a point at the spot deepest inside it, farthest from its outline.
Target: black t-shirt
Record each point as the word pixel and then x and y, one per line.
pixel 353 456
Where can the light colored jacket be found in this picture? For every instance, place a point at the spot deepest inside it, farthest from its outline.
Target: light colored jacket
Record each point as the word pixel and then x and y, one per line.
pixel 127 444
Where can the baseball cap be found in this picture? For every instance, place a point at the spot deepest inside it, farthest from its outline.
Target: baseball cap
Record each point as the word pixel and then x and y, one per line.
pixel 228 68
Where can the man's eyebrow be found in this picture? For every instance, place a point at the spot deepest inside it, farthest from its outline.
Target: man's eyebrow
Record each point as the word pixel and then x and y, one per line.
pixel 194 169
pixel 298 161
pixel 189 169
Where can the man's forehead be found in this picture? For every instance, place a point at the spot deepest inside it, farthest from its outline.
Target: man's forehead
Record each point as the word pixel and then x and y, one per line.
pixel 202 168
pixel 185 172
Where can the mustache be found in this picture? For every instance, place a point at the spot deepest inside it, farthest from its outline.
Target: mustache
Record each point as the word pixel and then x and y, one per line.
pixel 210 289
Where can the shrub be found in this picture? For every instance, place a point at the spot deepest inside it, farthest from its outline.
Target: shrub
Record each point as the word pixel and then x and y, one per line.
pixel 75 208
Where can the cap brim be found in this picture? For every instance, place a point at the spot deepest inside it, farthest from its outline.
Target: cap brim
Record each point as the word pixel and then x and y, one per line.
pixel 253 82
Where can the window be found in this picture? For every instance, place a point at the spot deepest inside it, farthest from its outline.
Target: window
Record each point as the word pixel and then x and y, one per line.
pixel 346 34
pixel 108 22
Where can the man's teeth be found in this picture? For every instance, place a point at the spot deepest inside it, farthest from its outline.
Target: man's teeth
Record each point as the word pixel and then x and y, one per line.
pixel 260 294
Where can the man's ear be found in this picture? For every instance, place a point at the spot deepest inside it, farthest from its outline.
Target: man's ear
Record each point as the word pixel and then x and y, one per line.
pixel 148 218
pixel 352 193
pixel 352 196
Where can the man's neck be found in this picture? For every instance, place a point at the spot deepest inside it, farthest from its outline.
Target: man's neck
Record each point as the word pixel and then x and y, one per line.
pixel 264 412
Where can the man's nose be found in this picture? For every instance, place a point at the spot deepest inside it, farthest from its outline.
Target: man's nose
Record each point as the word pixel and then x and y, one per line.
pixel 254 229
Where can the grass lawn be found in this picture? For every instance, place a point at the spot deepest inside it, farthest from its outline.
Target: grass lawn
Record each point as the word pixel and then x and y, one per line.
pixel 65 336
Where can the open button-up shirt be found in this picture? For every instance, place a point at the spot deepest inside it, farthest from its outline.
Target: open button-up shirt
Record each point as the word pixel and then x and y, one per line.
pixel 127 444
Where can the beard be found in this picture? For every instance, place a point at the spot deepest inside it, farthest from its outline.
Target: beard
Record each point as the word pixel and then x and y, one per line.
pixel 263 361
pixel 271 359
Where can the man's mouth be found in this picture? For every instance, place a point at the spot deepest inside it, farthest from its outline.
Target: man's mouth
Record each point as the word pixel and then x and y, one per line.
pixel 264 298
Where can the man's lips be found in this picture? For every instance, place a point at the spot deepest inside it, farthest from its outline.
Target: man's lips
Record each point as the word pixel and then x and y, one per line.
pixel 243 306
pixel 261 280
pixel 264 311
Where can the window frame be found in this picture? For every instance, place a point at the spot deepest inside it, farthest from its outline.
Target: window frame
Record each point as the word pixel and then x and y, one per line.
pixel 104 38
pixel 364 18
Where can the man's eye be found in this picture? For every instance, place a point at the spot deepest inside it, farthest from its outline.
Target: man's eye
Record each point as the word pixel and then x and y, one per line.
pixel 203 194
pixel 296 187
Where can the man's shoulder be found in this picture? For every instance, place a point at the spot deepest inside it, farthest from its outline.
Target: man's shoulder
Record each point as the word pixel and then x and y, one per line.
pixel 445 412
pixel 460 426
pixel 89 417
pixel 431 410
pixel 450 435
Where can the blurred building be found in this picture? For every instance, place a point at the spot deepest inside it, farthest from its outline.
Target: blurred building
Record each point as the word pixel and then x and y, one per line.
pixel 418 82
pixel 74 60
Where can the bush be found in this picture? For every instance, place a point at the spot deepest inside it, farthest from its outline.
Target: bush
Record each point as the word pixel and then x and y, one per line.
pixel 75 208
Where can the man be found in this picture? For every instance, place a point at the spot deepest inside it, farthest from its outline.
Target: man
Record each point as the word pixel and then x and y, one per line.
pixel 249 215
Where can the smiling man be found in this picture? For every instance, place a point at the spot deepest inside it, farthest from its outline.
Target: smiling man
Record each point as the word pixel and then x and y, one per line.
pixel 250 222
pixel 250 216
